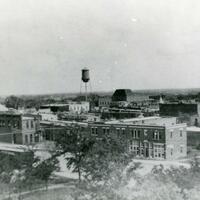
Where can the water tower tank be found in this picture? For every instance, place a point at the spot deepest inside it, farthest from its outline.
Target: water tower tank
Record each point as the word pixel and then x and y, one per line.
pixel 85 75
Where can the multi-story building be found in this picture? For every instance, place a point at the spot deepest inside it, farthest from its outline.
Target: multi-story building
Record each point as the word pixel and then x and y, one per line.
pixel 30 126
pixel 150 137
pixel 185 112
pixel 17 129
pixel 164 139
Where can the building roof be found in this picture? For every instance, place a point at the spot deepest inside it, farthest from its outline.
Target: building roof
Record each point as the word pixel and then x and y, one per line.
pixel 122 94
pixel 3 108
pixel 27 118
pixel 13 147
pixel 193 129
pixel 131 120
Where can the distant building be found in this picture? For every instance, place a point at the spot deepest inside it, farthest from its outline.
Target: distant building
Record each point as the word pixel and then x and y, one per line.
pixel 185 112
pixel 193 136
pixel 175 109
pixel 115 113
pixel 48 116
pixel 127 95
pixel 85 117
pixel 105 101
pixel 74 107
pixel 123 95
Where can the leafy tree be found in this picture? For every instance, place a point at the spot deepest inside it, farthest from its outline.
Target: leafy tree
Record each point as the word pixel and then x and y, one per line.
pixel 90 155
pixel 16 169
pixel 14 102
pixel 76 143
pixel 107 151
pixel 44 170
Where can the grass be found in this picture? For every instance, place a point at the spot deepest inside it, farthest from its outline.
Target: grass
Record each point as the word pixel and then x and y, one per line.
pixel 55 194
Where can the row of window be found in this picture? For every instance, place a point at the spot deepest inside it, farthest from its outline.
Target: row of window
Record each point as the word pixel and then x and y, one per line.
pixel 29 124
pixel 9 123
pixel 31 139
pixel 135 133
pixel 157 150
pixel 180 133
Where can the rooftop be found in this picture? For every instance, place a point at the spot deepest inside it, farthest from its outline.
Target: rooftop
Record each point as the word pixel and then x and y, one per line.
pixel 132 120
pixel 193 129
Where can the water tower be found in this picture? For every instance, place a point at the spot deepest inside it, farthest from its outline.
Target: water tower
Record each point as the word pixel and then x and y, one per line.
pixel 85 78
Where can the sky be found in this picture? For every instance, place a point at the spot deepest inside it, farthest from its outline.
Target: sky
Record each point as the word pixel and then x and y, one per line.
pixel 136 44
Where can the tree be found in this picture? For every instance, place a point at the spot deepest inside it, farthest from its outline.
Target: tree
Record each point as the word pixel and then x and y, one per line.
pixel 76 144
pixel 90 155
pixel 16 168
pixel 14 102
pixel 107 152
pixel 44 170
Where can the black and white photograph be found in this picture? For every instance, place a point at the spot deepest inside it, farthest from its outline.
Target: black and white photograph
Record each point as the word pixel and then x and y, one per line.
pixel 99 100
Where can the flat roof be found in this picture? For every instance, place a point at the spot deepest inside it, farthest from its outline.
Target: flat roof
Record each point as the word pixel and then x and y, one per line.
pixel 13 147
pixel 27 118
pixel 132 120
pixel 193 129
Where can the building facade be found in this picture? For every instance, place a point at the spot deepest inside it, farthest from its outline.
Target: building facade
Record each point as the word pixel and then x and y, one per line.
pixel 30 127
pixel 17 129
pixel 175 109
pixel 73 107
pixel 149 141
pixel 152 137
pixel 105 101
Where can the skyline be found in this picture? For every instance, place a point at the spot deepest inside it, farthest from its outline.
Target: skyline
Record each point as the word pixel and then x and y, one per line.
pixel 133 44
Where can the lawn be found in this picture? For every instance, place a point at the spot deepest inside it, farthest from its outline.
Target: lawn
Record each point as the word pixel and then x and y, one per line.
pixel 55 194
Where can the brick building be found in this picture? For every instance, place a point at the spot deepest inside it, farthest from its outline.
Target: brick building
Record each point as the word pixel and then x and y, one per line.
pixel 151 137
pixel 17 129
pixel 157 140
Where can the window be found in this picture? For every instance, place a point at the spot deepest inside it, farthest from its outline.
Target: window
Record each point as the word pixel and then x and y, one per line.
pixel 156 135
pixel 135 133
pixel 171 134
pixel 31 138
pixel 171 152
pixel 181 133
pixel 138 134
pixel 159 150
pixel 181 149
pixel 26 139
pixel 9 123
pixel 118 132
pixel 15 124
pixel 132 133
pixel 145 133
pixel 134 147
pixel 94 130
pixel 106 130
pixel 27 124
pixel 32 124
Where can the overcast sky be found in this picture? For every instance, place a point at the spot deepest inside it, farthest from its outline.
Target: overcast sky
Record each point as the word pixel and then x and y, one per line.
pixel 137 44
